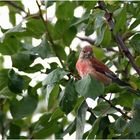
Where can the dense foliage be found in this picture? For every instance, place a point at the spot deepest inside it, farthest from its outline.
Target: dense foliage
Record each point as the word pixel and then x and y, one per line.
pixel 60 93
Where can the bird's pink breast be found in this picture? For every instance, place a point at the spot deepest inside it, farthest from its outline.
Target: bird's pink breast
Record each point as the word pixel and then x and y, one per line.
pixel 83 67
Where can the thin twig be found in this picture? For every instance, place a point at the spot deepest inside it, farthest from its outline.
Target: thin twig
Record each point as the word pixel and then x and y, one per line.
pixel 125 71
pixel 110 96
pixel 47 32
pixel 118 109
pixel 91 111
pixel 112 50
pixel 45 23
pixel 92 42
pixel 118 37
pixel 127 53
pixel 87 39
pixel 12 3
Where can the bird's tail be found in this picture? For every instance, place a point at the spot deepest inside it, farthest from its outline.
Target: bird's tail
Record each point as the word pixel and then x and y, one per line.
pixel 120 82
pixel 129 87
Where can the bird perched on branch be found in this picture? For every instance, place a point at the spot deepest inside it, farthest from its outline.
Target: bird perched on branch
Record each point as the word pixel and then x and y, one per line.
pixel 89 64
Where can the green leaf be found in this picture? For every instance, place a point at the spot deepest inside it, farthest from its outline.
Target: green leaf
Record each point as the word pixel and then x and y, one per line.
pixel 78 21
pixel 80 120
pixel 89 87
pixel 5 93
pixel 57 114
pixel 17 29
pixel 55 76
pixel 35 28
pixel 71 61
pixel 94 129
pixel 44 50
pixel 1 62
pixel 44 127
pixel 128 102
pixel 60 28
pixel 69 35
pixel 89 4
pixel 35 68
pixel 103 130
pixel 98 26
pixel 52 96
pixel 120 20
pixel 113 88
pixel 12 16
pixel 49 3
pixel 70 129
pixel 4 90
pixel 99 53
pixel 100 35
pixel 102 107
pixel 24 107
pixel 98 19
pixel 16 82
pixel 89 28
pixel 134 123
pixel 27 81
pixel 135 42
pixel 14 131
pixel 2 116
pixel 135 23
pixel 3 78
pixel 60 52
pixel 134 79
pixel 138 61
pixel 120 125
pixel 10 45
pixel 107 37
pixel 22 60
pixel 69 98
pixel 65 10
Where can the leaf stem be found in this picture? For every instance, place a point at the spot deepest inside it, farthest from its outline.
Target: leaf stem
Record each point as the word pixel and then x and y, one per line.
pixel 48 33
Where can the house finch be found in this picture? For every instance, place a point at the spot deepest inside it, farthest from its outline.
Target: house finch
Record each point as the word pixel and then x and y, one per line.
pixel 88 64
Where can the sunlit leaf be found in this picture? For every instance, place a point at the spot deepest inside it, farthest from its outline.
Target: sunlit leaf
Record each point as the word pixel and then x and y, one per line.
pixel 80 120
pixel 89 87
pixel 44 50
pixel 55 76
pixel 120 20
pixel 68 7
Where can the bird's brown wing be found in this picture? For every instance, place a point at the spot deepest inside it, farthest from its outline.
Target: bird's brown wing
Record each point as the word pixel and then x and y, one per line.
pixel 100 67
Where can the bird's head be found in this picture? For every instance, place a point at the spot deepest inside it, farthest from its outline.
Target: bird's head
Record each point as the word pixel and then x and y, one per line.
pixel 86 52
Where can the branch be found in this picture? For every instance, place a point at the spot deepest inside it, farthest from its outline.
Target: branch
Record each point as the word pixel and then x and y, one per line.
pixel 118 37
pixel 47 32
pixel 12 3
pixel 118 109
pixel 89 40
pixel 91 111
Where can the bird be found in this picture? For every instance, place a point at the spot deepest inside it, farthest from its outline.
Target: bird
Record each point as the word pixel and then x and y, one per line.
pixel 87 63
